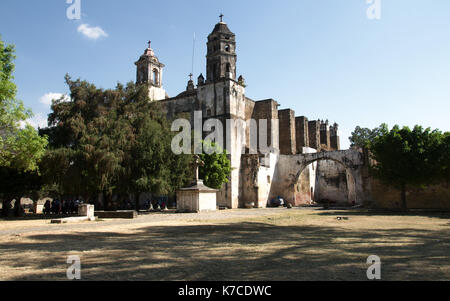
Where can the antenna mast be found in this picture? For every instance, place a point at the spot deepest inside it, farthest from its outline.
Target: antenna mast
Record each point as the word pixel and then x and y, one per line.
pixel 193 55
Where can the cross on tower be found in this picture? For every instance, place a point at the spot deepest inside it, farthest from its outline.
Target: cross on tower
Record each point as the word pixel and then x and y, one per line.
pixel 149 44
pixel 221 18
pixel 190 76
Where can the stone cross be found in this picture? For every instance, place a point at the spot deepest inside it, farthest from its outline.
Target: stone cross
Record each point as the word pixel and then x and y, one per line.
pixel 197 164
pixel 221 18
pixel 190 76
pixel 149 44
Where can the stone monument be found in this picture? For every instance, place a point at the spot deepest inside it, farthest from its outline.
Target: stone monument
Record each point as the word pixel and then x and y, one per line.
pixel 199 197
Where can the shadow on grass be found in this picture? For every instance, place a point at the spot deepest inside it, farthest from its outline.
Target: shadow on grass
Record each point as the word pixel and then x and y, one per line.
pixel 29 217
pixel 373 212
pixel 237 251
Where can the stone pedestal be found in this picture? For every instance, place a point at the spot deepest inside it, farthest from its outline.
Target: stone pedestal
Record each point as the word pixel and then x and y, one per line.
pixel 198 198
pixel 86 210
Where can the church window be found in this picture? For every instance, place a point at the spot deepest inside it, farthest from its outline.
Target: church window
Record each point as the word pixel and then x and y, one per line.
pixel 228 68
pixel 155 77
pixel 227 48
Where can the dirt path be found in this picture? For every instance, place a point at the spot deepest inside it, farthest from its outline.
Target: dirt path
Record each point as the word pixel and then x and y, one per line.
pixel 262 244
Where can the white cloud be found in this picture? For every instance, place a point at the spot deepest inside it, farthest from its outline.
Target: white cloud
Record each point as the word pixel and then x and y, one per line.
pixel 47 98
pixel 37 121
pixel 93 33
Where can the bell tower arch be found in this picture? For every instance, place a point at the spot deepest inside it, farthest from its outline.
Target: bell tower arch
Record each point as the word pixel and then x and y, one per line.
pixel 149 70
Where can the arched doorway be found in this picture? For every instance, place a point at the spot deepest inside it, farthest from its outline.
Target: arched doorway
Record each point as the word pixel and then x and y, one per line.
pixel 325 181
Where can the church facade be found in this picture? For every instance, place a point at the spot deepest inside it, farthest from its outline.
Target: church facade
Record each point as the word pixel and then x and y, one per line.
pixel 256 176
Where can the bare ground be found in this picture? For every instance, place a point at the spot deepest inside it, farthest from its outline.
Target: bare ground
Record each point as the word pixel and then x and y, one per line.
pixel 259 244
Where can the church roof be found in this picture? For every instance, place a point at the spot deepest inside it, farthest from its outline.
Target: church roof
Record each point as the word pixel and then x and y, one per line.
pixel 222 28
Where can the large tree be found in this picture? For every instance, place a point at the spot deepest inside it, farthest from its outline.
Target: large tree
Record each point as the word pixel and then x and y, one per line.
pixel 112 142
pixel 21 147
pixel 408 158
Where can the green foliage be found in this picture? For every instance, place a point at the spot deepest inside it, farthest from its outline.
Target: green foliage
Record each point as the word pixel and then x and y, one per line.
pixel 406 157
pixel 362 137
pixel 111 141
pixel 217 167
pixel 8 89
pixel 21 147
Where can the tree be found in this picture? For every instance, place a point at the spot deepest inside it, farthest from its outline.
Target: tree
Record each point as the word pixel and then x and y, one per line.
pixel 445 157
pixel 21 147
pixel 362 137
pixel 111 141
pixel 217 167
pixel 406 157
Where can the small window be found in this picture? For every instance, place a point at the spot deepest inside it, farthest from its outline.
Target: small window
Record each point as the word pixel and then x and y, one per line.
pixel 155 77
pixel 227 48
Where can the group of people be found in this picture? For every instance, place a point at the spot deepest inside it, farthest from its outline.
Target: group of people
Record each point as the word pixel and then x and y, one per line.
pixel 61 207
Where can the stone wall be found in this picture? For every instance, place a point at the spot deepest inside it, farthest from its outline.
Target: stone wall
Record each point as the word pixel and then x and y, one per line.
pixel 314 134
pixel 268 110
pixel 432 197
pixel 287 132
pixel 306 186
pixel 301 133
pixel 334 183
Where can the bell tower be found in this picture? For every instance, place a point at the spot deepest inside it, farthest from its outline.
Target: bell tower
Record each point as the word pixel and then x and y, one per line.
pixel 221 56
pixel 150 71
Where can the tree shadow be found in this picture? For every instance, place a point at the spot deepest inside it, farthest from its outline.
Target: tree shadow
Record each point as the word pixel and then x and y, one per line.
pixel 370 212
pixel 28 217
pixel 244 251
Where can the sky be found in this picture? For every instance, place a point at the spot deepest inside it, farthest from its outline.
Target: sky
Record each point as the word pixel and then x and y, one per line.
pixel 325 59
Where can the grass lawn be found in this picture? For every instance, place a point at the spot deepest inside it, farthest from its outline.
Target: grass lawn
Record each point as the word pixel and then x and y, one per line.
pixel 265 244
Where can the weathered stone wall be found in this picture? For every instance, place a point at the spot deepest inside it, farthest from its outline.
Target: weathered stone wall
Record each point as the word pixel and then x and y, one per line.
pixel 335 143
pixel 306 185
pixel 287 132
pixel 266 175
pixel 249 179
pixel 314 134
pixel 268 110
pixel 301 133
pixel 334 183
pixel 432 197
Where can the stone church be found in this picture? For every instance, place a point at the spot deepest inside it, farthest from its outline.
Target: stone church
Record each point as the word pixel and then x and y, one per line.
pixel 255 178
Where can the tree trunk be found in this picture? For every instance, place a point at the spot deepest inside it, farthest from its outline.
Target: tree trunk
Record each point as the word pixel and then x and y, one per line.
pixel 136 201
pixel 404 207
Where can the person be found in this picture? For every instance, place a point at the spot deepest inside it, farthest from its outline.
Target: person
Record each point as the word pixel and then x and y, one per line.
pixel 77 204
pixel 47 207
pixel 53 209
pixel 19 209
pixel 71 206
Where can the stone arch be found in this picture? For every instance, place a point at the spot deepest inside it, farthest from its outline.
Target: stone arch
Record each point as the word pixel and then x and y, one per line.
pixel 350 179
pixel 290 167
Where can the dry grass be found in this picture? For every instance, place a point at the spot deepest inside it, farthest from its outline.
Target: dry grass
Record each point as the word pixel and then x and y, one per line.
pixel 264 245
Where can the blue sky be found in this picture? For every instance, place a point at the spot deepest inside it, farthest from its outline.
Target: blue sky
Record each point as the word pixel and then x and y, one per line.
pixel 323 58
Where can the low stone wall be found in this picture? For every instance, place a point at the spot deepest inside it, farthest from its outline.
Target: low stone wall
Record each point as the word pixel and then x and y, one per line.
pixel 433 197
pixel 128 214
